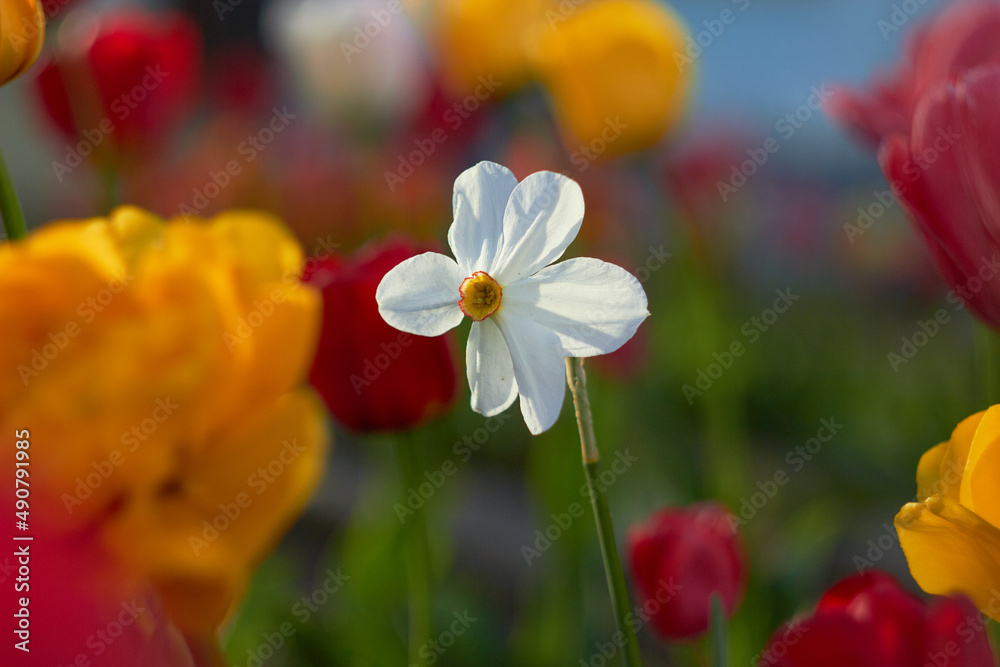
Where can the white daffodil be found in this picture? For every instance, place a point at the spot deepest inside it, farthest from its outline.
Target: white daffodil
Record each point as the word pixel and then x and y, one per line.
pixel 527 315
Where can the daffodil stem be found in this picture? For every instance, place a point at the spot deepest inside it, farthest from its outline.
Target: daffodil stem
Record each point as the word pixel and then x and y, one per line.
pixel 10 206
pixel 418 578
pixel 577 380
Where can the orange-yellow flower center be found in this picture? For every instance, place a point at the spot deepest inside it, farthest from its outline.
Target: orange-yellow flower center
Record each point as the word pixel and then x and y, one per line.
pixel 481 296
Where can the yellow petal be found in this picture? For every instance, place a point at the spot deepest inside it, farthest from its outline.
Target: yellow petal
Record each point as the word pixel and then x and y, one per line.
pixel 952 550
pixel 929 473
pixel 87 241
pixel 941 468
pixel 200 541
pixel 265 247
pixel 136 231
pixel 980 488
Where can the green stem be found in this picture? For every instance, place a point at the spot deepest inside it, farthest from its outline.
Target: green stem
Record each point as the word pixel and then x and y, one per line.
pixel 718 633
pixel 726 461
pixel 417 553
pixel 112 187
pixel 988 362
pixel 577 380
pixel 10 207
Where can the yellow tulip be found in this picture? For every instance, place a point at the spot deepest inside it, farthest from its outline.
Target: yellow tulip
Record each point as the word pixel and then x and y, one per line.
pixel 22 30
pixel 616 73
pixel 484 41
pixel 159 369
pixel 951 536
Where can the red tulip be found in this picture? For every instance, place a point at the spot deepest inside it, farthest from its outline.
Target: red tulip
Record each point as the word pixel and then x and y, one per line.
pixel 372 376
pixel 67 602
pixel 960 38
pixel 867 620
pixel 947 173
pixel 938 122
pixel 692 552
pixel 122 78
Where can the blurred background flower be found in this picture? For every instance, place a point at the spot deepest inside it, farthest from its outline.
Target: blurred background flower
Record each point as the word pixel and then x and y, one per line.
pixel 480 39
pixel 371 376
pixel 123 78
pixel 868 619
pixel 937 54
pixel 22 31
pixel 160 368
pixel 934 122
pixel 358 64
pixel 679 557
pixel 616 72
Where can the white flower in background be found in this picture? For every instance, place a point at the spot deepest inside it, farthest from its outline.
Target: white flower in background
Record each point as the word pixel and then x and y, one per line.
pixel 527 315
pixel 355 61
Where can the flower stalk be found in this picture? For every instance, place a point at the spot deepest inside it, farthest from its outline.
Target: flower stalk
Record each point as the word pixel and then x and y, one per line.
pixel 717 633
pixel 417 554
pixel 10 206
pixel 987 353
pixel 577 380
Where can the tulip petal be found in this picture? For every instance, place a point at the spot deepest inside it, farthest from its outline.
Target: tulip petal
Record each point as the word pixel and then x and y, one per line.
pixel 199 575
pixel 420 295
pixel 950 549
pixel 542 218
pixel 480 198
pixel 929 474
pixel 935 175
pixel 372 376
pixel 980 488
pixel 489 369
pixel 951 464
pixel 539 369
pixel 825 639
pixel 976 98
pixel 593 306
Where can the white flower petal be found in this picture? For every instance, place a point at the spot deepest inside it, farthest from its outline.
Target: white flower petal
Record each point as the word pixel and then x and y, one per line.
pixel 539 369
pixel 420 295
pixel 479 200
pixel 489 369
pixel 593 306
pixel 542 218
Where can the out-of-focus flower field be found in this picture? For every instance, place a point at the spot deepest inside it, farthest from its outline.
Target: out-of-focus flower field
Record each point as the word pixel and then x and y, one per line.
pixel 256 436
